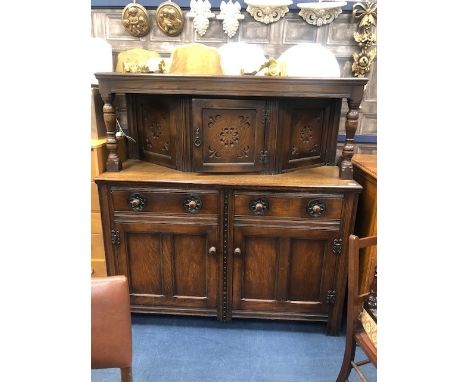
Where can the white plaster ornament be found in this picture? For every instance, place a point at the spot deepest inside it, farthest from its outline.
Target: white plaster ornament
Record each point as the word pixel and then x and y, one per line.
pixel 319 14
pixel 200 11
pixel 267 11
pixel 230 14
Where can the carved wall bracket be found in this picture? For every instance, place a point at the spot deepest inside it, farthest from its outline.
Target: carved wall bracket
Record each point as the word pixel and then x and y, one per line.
pixel 319 14
pixel 267 12
pixel 365 37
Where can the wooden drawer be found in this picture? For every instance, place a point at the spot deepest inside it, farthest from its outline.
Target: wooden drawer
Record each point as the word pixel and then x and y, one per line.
pixel 288 205
pixel 166 201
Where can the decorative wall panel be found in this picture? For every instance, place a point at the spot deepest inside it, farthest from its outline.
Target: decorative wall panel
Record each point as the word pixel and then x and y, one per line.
pixel 296 30
pixel 252 31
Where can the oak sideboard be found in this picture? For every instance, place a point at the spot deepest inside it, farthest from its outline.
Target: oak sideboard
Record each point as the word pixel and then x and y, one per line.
pixel 232 203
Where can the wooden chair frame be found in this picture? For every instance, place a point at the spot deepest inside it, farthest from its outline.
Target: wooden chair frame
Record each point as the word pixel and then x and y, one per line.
pixel 360 278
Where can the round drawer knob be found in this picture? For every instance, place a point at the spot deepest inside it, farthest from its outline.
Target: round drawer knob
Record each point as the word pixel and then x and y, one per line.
pixel 237 252
pixel 193 204
pixel 212 251
pixel 259 206
pixel 315 208
pixel 136 201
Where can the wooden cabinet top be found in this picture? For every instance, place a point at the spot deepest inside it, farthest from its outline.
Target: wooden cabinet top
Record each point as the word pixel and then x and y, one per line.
pixel 325 177
pixel 367 163
pixel 261 86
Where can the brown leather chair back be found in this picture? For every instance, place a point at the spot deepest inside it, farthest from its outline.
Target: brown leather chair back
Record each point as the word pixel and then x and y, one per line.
pixel 111 332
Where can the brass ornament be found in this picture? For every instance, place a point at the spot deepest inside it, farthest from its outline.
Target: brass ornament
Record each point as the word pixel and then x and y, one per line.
pixel 135 19
pixel 272 66
pixel 365 37
pixel 130 67
pixel 170 18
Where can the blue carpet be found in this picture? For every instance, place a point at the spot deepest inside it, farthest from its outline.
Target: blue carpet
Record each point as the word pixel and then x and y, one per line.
pixel 188 349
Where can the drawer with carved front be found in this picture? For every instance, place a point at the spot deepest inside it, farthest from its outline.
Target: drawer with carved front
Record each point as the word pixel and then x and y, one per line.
pixel 288 205
pixel 165 201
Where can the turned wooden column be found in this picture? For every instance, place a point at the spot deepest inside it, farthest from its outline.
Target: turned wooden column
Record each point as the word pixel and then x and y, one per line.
pixel 113 163
pixel 352 117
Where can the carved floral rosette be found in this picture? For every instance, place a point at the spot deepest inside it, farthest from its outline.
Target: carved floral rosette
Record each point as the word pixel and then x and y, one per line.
pixel 200 11
pixel 268 13
pixel 230 14
pixel 319 17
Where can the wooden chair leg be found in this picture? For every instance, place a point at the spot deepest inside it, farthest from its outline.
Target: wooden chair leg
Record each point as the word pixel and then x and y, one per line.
pixel 126 374
pixel 350 351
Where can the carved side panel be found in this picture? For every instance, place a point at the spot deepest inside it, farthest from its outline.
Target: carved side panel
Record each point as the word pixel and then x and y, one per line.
pixel 228 135
pixel 308 141
pixel 156 134
pixel 306 134
pixel 157 120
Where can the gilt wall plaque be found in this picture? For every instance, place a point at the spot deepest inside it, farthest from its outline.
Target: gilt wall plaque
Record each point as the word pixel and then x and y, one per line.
pixel 135 20
pixel 170 18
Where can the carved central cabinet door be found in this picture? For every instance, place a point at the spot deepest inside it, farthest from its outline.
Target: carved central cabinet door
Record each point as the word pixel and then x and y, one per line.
pixel 228 135
pixel 170 266
pixel 287 271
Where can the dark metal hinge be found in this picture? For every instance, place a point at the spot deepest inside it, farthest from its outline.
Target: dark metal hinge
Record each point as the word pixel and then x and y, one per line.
pixel 115 237
pixel 263 156
pixel 331 296
pixel 337 246
pixel 197 139
pixel 266 117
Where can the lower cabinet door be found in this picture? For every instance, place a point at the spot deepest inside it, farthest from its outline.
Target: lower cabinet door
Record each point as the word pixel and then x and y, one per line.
pixel 171 268
pixel 283 273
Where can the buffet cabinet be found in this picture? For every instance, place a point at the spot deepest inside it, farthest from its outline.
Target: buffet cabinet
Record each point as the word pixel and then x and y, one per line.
pixel 231 204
